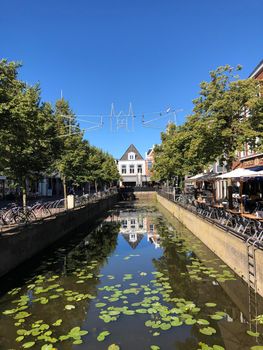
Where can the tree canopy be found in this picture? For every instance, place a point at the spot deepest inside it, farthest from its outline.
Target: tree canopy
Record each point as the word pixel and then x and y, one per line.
pixel 227 115
pixel 36 140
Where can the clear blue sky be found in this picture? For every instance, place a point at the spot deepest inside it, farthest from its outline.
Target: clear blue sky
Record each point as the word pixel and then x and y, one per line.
pixel 148 52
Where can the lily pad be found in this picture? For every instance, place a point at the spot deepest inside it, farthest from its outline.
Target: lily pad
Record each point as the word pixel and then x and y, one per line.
pixel 253 334
pixel 113 347
pixel 103 335
pixel 210 304
pixel 28 345
pixel 70 307
pixel 207 330
pixel 57 323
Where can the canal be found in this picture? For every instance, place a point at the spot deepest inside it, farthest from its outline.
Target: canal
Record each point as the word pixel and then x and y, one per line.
pixel 139 280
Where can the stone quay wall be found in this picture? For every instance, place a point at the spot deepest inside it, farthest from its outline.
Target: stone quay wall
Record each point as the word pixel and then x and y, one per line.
pixel 231 249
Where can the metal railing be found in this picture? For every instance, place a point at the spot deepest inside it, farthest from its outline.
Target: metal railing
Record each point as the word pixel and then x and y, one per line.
pixel 14 215
pixel 244 228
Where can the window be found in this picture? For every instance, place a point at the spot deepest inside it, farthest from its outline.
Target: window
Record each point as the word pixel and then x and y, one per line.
pixel 123 169
pixel 131 169
pixel 150 164
pixel 133 223
pixel 139 168
pixel 151 227
pixel 131 156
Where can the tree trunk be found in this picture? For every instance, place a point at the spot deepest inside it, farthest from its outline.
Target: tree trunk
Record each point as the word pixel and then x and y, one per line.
pixel 96 187
pixel 65 192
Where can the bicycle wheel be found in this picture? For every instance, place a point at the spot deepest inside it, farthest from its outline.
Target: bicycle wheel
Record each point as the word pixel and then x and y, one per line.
pixel 8 217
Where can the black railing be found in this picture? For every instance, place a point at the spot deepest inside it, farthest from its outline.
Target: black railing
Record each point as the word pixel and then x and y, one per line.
pixel 244 228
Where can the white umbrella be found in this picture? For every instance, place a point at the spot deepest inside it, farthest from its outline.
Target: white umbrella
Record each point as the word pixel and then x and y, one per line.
pixel 237 173
pixel 195 177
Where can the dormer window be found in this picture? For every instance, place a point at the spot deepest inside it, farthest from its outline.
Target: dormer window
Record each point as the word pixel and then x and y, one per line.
pixel 131 156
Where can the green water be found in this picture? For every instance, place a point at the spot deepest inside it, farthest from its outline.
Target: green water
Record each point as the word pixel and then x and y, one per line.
pixel 139 281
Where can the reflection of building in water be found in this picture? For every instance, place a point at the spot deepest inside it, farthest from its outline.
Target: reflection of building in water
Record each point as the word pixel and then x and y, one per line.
pixel 134 225
pixel 152 235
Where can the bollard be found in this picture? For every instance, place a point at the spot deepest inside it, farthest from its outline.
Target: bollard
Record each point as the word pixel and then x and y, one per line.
pixel 71 201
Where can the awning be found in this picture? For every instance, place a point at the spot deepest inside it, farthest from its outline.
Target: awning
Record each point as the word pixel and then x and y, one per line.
pixel 238 173
pixel 195 177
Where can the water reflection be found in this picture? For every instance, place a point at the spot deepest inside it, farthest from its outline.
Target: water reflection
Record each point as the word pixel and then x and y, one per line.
pixel 136 276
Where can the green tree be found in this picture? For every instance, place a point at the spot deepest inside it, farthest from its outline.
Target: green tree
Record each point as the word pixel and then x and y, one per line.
pixel 110 173
pixel 72 150
pixel 227 114
pixel 26 135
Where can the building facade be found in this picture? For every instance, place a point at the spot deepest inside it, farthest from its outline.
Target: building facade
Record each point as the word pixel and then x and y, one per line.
pixel 149 161
pixel 131 167
pixel 248 158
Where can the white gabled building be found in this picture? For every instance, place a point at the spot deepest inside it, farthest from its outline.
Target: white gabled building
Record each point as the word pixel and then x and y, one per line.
pixel 131 167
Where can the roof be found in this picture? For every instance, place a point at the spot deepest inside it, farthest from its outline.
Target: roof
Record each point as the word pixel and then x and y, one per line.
pixel 133 245
pixel 133 149
pixel 257 69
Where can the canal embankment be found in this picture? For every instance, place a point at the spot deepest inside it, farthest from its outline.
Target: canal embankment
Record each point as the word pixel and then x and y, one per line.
pixel 19 244
pixel 228 247
pixel 236 289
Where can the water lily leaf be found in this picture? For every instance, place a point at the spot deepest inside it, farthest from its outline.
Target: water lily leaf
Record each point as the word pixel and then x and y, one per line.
pixel 218 347
pixel 103 335
pixel 165 326
pixel 100 304
pixel 129 312
pixel 9 312
pixel 207 330
pixel 190 321
pixel 47 347
pixel 57 323
pixel 22 332
pixel 113 347
pixel 28 345
pixel 216 317
pixel 21 315
pixel 155 334
pixel 253 334
pixel 70 307
pixel 78 342
pixel 203 322
pixel 155 347
pixel 141 311
pixel 257 347
pixel 210 304
pixel 20 338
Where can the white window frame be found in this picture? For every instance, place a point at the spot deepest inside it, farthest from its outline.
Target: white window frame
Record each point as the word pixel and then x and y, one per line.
pixel 123 169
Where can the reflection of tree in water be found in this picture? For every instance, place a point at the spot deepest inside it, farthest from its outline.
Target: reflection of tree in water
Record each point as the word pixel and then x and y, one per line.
pixel 85 259
pixel 172 264
pixel 96 246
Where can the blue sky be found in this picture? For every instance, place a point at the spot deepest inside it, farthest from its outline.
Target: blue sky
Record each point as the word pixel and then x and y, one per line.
pixel 149 52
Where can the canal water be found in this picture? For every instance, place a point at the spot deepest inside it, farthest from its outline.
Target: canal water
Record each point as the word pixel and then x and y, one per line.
pixel 140 280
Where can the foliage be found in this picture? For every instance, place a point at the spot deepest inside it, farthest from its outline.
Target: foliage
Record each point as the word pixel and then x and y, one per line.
pixel 37 141
pixel 226 116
